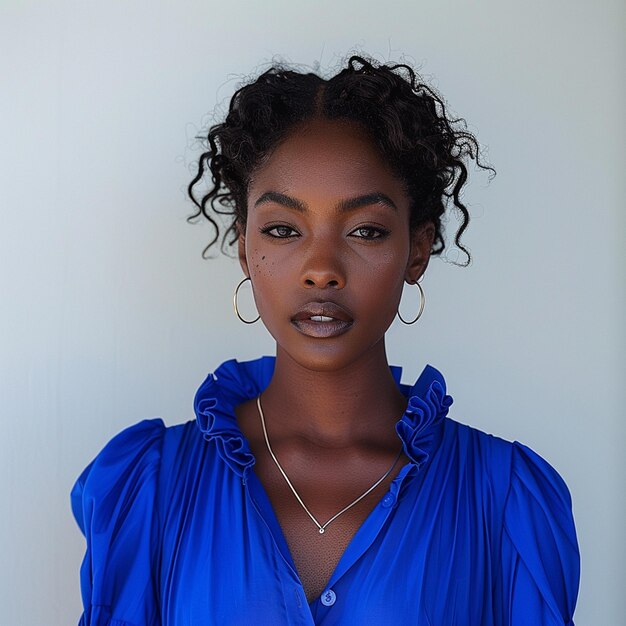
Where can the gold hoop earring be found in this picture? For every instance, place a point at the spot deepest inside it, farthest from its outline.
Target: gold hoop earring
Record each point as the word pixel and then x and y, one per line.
pixel 422 303
pixel 235 302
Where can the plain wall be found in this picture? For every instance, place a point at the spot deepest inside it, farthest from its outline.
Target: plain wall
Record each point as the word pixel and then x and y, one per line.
pixel 109 315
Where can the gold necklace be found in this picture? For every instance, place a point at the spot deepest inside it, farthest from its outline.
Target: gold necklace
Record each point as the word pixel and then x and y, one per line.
pixel 321 527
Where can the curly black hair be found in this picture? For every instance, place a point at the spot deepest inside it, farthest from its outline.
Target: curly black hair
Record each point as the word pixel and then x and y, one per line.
pixel 405 118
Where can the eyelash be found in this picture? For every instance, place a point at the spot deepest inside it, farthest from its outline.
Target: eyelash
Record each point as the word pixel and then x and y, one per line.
pixel 382 232
pixel 267 229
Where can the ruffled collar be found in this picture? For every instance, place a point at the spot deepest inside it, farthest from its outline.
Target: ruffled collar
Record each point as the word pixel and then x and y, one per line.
pixel 420 427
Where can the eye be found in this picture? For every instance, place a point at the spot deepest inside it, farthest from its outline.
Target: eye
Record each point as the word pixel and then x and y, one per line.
pixel 281 231
pixel 370 232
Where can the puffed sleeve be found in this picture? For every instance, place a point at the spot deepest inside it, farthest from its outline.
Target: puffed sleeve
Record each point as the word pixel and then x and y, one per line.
pixel 114 503
pixel 540 558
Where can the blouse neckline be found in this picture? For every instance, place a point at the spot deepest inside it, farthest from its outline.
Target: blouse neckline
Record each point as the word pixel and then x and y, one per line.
pixel 420 428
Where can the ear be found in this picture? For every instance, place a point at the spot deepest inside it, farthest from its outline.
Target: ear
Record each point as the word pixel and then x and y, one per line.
pixel 421 244
pixel 241 247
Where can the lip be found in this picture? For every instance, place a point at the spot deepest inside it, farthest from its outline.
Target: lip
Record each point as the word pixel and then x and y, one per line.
pixel 341 322
pixel 328 309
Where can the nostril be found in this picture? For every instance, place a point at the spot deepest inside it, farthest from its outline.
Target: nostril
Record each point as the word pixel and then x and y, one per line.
pixel 322 278
pixel 312 283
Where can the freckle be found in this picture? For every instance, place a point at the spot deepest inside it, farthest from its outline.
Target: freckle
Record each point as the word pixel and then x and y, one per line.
pixel 263 258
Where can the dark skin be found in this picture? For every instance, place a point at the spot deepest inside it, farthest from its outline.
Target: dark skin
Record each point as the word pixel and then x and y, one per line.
pixel 332 404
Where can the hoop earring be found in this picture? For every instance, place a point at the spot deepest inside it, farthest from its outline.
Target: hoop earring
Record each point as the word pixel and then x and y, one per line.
pixel 235 302
pixel 422 302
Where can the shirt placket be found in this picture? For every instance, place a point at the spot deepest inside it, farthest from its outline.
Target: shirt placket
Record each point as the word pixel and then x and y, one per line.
pixel 331 600
pixel 298 612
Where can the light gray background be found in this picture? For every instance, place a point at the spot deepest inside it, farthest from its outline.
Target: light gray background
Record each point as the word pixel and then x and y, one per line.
pixel 109 315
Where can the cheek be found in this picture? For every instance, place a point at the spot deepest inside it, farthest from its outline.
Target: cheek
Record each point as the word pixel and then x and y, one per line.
pixel 268 274
pixel 260 263
pixel 381 289
pixel 386 271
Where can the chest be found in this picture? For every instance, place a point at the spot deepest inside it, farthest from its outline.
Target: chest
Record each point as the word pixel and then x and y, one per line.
pixel 228 567
pixel 315 554
pixel 222 561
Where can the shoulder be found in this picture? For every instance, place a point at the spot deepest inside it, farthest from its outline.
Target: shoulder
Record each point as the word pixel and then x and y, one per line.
pixel 131 453
pixel 506 463
pixel 116 502
pixel 124 474
pixel 530 509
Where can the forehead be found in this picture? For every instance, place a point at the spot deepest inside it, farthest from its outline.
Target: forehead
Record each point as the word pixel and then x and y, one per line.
pixel 326 158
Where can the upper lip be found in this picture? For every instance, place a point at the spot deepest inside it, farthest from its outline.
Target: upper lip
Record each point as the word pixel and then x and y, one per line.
pixel 328 309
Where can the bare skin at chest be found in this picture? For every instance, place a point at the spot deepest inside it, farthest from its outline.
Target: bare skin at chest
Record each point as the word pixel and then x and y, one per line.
pixel 327 480
pixel 316 555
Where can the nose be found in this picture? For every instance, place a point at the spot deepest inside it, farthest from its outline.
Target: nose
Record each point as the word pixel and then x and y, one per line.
pixel 322 267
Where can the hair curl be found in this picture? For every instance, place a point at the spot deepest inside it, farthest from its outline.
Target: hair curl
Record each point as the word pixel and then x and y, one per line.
pixel 405 118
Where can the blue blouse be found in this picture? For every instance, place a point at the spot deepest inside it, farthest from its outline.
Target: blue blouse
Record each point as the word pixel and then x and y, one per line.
pixel 473 531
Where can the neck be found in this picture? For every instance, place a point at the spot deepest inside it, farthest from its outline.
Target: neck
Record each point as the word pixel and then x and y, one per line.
pixel 337 408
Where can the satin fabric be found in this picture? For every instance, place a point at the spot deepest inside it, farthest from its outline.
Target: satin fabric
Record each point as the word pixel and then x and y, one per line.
pixel 473 531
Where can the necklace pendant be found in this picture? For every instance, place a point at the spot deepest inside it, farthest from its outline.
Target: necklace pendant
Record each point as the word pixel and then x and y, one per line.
pixel 322 529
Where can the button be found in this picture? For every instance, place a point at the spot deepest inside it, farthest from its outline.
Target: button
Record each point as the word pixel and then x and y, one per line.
pixel 388 500
pixel 329 597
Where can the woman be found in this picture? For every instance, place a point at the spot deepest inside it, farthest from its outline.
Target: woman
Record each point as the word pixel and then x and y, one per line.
pixel 315 487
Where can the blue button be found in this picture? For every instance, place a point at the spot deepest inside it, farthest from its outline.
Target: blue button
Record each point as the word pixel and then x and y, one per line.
pixel 329 597
pixel 388 500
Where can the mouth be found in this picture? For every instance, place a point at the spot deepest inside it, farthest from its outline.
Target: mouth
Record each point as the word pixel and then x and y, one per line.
pixel 322 319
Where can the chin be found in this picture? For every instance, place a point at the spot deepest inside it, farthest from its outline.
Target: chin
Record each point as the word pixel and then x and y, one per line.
pixel 327 355
pixel 323 362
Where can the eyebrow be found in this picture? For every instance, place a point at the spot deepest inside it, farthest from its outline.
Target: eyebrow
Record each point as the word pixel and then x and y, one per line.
pixel 342 206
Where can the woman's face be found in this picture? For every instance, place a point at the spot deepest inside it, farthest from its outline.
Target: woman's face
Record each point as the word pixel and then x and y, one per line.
pixel 327 245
